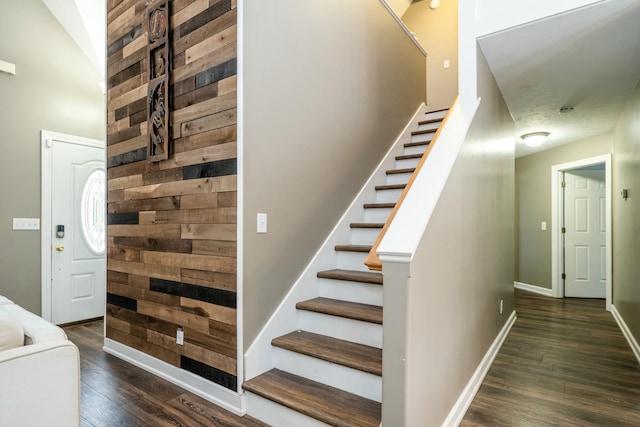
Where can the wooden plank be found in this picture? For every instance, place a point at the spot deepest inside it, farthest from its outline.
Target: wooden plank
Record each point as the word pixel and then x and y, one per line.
pixel 227 85
pixel 210 279
pixel 206 139
pixel 202 155
pixel 226 232
pixel 191 216
pixel 195 262
pixel 161 203
pixel 138 268
pixel 177 188
pixel 215 247
pixel 180 17
pixel 160 176
pixel 197 201
pixel 124 182
pixel 213 43
pixel 216 312
pixel 213 121
pixel 227 52
pixel 174 315
pixel 147 217
pixel 213 27
pixel 205 108
pixel 163 231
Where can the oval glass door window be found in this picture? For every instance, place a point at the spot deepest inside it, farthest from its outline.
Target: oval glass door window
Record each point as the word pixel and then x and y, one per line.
pixel 93 211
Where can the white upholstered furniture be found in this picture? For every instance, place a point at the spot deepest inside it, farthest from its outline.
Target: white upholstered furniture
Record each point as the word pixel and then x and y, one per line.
pixel 40 377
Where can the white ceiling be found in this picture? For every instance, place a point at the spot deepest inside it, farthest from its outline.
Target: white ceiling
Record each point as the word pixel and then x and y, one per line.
pixel 588 59
pixel 85 21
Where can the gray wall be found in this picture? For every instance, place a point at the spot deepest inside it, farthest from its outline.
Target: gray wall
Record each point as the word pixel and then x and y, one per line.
pixel 325 95
pixel 533 205
pixel 463 266
pixel 626 215
pixel 55 88
pixel 437 32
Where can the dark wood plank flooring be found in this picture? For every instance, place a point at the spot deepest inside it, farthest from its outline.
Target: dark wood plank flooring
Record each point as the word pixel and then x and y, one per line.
pixel 116 393
pixel 565 363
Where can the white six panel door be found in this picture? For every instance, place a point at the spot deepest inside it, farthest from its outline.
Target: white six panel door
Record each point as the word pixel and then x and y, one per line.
pixel 585 238
pixel 78 288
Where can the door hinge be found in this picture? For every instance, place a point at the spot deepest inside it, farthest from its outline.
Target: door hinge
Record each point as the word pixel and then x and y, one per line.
pixel 564 230
pixel 564 184
pixel 564 276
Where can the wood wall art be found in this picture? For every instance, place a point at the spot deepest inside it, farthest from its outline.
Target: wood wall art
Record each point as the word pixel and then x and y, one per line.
pixel 158 72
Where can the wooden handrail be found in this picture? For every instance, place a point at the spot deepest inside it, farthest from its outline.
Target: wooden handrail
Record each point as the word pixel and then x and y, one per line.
pixel 373 260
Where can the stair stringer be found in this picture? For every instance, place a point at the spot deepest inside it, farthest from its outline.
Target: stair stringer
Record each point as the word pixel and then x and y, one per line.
pixel 261 356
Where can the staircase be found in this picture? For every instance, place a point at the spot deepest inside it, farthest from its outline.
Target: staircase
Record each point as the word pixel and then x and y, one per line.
pixel 329 370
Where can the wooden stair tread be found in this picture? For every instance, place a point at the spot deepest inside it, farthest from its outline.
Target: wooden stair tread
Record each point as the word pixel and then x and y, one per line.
pixel 346 353
pixel 330 405
pixel 416 144
pixel 353 248
pixel 346 309
pixel 423 132
pixel 367 224
pixel 409 156
pixel 378 205
pixel 429 121
pixel 399 171
pixel 390 187
pixel 352 276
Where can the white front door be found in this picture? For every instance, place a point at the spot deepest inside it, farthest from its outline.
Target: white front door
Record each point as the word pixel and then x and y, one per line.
pixel 78 228
pixel 585 237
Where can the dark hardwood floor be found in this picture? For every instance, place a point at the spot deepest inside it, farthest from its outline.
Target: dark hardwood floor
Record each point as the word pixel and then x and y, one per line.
pixel 116 393
pixel 565 363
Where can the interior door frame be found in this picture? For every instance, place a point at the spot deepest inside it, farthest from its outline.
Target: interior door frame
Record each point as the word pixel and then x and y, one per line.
pixel 47 140
pixel 557 283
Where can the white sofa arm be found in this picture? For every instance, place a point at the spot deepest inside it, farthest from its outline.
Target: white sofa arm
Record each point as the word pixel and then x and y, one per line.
pixel 40 385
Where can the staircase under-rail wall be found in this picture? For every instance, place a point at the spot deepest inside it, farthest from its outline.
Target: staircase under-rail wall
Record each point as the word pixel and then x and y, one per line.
pixel 328 367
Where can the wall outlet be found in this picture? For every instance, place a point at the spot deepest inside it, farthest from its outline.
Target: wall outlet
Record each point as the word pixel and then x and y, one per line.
pixel 501 306
pixel 180 336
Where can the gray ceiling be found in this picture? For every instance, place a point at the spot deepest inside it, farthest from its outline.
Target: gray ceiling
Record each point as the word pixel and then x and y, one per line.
pixel 588 58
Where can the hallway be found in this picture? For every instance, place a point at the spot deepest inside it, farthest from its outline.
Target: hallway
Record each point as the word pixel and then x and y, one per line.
pixel 564 363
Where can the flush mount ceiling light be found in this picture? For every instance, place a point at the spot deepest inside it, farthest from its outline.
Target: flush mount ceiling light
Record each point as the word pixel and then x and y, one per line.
pixel 434 4
pixel 534 139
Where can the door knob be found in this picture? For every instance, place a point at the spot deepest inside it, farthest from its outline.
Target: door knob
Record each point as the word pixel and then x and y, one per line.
pixel 59 248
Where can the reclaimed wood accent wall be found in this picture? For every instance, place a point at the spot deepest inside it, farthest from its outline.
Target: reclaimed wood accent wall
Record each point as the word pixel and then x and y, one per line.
pixel 171 225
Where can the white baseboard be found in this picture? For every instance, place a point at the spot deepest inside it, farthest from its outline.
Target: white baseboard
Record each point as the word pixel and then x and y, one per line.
pixel 626 332
pixel 464 401
pixel 202 387
pixel 532 288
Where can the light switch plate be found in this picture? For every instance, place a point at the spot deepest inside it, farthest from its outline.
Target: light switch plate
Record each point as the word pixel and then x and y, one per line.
pixel 26 223
pixel 543 226
pixel 262 223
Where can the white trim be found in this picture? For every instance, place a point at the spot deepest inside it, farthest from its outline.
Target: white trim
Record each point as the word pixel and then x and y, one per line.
pixel 626 332
pixel 533 288
pixel 204 388
pixel 403 236
pixel 466 397
pixel 47 140
pixel 240 200
pixel 557 284
pixel 403 26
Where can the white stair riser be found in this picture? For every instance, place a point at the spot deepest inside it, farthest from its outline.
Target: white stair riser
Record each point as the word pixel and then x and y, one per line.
pixel 435 115
pixel 275 414
pixel 407 163
pixel 334 375
pixel 418 149
pixel 388 196
pixel 364 293
pixel 398 178
pixel 422 137
pixel 364 236
pixel 339 327
pixel 429 126
pixel 351 260
pixel 377 214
